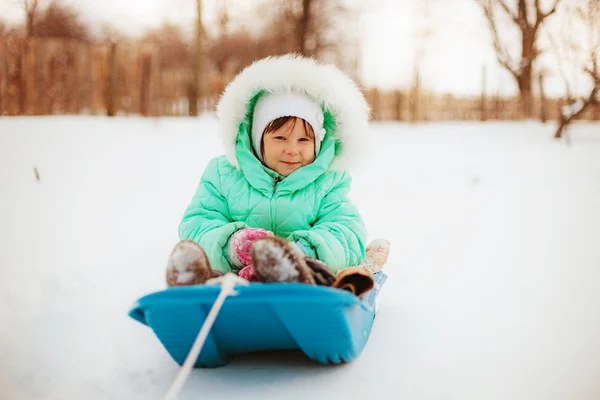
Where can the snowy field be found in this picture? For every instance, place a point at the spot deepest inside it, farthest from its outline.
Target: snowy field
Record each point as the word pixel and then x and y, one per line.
pixel 494 275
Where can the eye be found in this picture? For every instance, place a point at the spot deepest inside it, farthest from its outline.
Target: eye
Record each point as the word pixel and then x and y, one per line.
pixel 305 139
pixel 279 138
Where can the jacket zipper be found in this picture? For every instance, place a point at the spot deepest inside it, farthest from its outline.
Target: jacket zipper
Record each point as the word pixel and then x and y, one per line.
pixel 275 182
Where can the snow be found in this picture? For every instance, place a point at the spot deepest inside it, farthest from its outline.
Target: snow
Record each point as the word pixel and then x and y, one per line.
pixel 494 271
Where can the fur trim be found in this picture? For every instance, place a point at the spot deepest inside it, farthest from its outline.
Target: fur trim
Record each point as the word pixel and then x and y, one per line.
pixel 326 83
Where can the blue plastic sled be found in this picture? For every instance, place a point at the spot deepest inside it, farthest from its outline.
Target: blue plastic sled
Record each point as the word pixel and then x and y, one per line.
pixel 329 325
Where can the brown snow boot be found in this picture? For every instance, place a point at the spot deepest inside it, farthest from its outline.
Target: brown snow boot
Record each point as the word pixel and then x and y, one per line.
pixel 276 260
pixel 322 274
pixel 355 280
pixel 188 265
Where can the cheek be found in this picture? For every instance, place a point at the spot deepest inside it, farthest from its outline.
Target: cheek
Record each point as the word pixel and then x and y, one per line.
pixel 308 152
pixel 271 148
pixel 267 147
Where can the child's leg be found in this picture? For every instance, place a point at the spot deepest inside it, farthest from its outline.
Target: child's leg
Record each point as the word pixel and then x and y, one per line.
pixel 320 271
pixel 358 279
pixel 276 260
pixel 354 280
pixel 377 253
pixel 322 274
pixel 189 265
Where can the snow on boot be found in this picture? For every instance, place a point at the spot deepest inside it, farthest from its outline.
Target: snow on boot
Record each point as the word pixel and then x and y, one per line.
pixel 188 265
pixel 322 274
pixel 276 260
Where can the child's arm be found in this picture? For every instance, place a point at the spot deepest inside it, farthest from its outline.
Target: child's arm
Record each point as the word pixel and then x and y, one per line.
pixel 338 236
pixel 207 221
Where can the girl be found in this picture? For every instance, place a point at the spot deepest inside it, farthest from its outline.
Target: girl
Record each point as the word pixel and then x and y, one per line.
pixel 275 207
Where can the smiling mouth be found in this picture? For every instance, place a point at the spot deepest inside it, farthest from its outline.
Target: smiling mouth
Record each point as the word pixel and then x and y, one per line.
pixel 290 163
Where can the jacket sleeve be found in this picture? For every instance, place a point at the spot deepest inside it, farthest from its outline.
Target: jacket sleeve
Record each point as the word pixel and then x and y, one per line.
pixel 338 236
pixel 206 220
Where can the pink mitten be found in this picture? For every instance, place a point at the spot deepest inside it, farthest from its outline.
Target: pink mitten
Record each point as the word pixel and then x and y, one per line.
pixel 238 247
pixel 248 273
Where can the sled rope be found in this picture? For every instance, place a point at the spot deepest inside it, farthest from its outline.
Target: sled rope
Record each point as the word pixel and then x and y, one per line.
pixel 228 283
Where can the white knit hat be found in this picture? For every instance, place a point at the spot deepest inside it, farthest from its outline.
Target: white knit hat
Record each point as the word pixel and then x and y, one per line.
pixel 286 104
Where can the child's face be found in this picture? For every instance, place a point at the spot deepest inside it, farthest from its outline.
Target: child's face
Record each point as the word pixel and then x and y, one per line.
pixel 289 147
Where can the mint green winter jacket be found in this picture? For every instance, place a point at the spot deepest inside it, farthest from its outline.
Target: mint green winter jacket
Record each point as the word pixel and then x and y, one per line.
pixel 311 206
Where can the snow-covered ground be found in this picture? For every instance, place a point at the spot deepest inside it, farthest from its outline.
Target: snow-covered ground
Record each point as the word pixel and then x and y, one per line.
pixel 494 276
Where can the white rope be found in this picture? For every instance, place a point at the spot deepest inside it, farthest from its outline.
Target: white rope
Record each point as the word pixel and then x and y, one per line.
pixel 228 283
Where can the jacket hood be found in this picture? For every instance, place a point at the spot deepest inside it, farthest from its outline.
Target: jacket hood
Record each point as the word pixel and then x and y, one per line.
pixel 341 100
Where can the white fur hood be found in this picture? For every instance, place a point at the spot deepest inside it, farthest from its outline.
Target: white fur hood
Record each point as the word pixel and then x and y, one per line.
pixel 330 86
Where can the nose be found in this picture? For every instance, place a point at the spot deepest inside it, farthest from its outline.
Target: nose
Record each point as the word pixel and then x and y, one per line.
pixel 291 149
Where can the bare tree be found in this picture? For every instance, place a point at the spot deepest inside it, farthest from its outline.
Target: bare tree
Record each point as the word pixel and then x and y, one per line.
pixel 232 46
pixel 323 29
pixel 233 51
pixel 586 59
pixel 61 20
pixel 197 63
pixel 173 49
pixel 229 47
pixel 304 24
pixel 331 29
pixel 31 8
pixel 107 32
pixel 528 17
pixel 422 40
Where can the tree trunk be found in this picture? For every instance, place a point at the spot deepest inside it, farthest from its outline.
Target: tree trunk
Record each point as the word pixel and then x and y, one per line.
pixel 303 28
pixel 399 105
pixel 111 101
pixel 194 92
pixel 561 127
pixel 29 26
pixel 22 77
pixel 145 84
pixel 3 76
pixel 375 104
pixel 525 97
pixel 542 99
pixel 525 76
pixel 415 101
pixel 483 115
pixel 565 121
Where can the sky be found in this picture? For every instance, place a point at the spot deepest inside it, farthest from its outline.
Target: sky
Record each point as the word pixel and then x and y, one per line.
pixel 455 53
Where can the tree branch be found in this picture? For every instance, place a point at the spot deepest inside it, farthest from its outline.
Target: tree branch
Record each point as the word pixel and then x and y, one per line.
pixel 577 108
pixel 501 54
pixel 584 103
pixel 30 6
pixel 31 9
pixel 552 10
pixel 540 15
pixel 523 22
pixel 512 15
pixel 561 69
pixel 593 73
